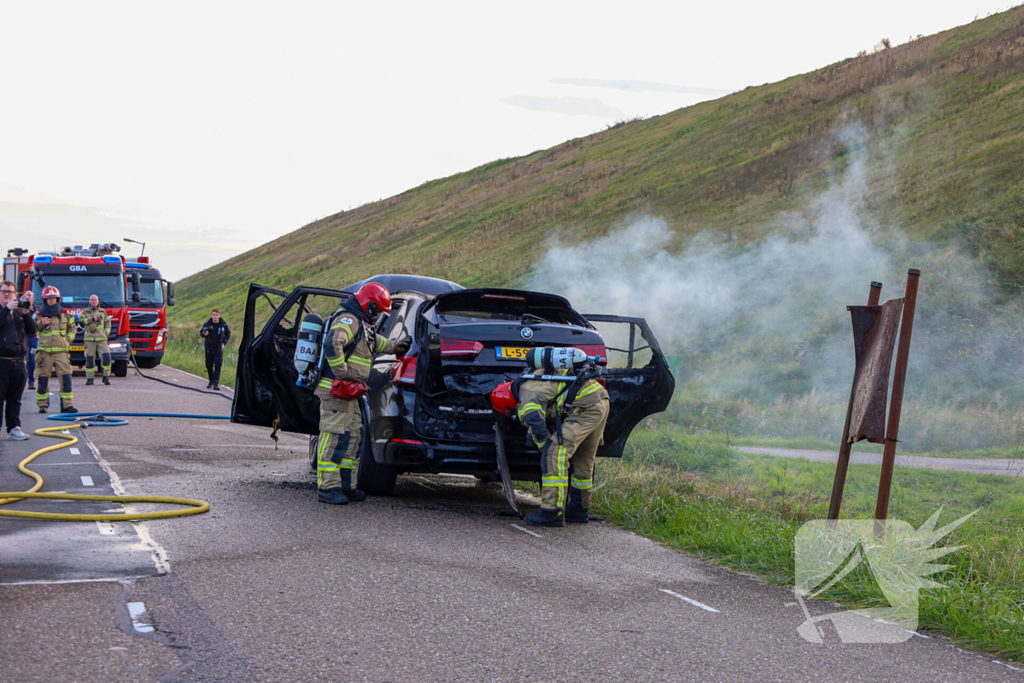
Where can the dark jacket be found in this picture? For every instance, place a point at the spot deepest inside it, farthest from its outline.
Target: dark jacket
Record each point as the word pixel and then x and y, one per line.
pixel 15 328
pixel 216 334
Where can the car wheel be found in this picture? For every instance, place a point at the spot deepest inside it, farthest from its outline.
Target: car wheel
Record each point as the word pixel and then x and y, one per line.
pixel 372 477
pixel 148 362
pixel 121 368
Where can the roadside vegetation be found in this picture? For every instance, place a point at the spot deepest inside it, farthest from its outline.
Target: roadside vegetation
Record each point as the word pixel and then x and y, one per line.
pixel 696 493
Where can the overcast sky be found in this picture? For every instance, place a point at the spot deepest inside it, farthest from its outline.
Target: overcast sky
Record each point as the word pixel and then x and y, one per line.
pixel 205 129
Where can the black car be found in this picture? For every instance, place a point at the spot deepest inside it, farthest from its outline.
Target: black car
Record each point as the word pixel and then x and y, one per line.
pixel 430 410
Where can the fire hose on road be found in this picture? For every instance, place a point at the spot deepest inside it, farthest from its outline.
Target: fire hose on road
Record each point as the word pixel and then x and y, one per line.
pixel 193 507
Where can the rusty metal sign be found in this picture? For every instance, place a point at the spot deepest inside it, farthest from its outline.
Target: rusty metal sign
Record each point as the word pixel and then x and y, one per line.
pixel 874 336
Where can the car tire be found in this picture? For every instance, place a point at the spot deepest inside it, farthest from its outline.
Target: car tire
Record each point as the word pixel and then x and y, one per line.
pixel 148 362
pixel 121 368
pixel 373 478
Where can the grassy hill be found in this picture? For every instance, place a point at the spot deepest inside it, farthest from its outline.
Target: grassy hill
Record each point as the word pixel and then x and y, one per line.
pixel 948 104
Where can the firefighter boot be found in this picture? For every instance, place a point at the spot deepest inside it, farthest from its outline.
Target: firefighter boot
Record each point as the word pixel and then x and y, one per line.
pixel 331 496
pixel 88 382
pixel 575 513
pixel 354 495
pixel 545 517
pixel 106 380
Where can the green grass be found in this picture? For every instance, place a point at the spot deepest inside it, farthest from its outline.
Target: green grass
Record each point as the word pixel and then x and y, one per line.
pixel 742 511
pixel 185 351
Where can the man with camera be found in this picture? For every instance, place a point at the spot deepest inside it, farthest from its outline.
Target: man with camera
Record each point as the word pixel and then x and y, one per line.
pixel 16 326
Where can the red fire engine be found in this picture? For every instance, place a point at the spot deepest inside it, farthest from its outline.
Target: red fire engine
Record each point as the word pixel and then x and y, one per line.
pixel 79 273
pixel 148 315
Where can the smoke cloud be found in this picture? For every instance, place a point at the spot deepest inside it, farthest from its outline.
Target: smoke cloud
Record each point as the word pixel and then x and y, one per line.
pixel 767 322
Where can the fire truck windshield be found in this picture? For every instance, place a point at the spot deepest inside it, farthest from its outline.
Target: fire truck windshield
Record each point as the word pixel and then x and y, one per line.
pixel 75 290
pixel 152 293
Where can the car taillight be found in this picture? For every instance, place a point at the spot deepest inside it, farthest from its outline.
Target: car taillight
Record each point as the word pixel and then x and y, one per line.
pixel 404 371
pixel 460 348
pixel 597 350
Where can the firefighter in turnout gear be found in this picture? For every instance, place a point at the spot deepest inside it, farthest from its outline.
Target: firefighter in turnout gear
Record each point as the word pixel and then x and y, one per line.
pixel 97 331
pixel 56 332
pixel 579 409
pixel 349 346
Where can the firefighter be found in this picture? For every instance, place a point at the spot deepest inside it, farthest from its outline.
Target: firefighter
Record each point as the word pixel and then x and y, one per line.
pixel 97 331
pixel 349 347
pixel 56 332
pixel 580 409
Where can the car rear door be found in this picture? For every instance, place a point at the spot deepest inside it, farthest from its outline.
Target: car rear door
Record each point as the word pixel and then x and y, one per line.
pixel 638 378
pixel 265 388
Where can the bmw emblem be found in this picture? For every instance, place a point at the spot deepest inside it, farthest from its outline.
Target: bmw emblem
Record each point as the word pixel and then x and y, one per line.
pixel 526 332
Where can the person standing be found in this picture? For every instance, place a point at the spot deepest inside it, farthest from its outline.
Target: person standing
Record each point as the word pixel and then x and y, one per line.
pixel 217 334
pixel 16 325
pixel 349 347
pixel 97 331
pixel 581 409
pixel 28 304
pixel 56 332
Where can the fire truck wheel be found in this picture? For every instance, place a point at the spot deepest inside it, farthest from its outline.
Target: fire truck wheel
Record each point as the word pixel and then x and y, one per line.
pixel 120 368
pixel 147 363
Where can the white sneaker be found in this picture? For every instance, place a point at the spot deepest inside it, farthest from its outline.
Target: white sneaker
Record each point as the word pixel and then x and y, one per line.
pixel 17 435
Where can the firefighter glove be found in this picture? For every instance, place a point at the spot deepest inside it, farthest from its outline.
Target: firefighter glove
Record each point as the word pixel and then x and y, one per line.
pixel 402 345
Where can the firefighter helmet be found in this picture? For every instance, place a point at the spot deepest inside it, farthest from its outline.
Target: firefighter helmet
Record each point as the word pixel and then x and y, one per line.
pixel 503 400
pixel 50 292
pixel 374 298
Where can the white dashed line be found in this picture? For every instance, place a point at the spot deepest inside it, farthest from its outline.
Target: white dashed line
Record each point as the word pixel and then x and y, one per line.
pixel 75 451
pixel 689 600
pixel 87 481
pixel 137 611
pixel 64 431
pixel 184 450
pixel 105 528
pixel 525 531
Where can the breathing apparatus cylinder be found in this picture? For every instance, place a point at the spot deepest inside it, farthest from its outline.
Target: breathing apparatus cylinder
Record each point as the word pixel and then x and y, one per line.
pixel 551 358
pixel 307 350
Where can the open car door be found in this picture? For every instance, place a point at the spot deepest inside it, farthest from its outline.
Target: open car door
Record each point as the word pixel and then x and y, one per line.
pixel 637 377
pixel 265 389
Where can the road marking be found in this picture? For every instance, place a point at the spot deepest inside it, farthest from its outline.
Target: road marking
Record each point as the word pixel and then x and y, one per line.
pixel 156 551
pixel 75 451
pixel 105 528
pixel 61 582
pixel 87 481
pixel 65 432
pixel 137 610
pixel 1005 664
pixel 184 450
pixel 525 531
pixel 689 600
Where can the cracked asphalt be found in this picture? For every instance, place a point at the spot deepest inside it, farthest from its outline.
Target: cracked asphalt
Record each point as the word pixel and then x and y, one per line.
pixel 433 584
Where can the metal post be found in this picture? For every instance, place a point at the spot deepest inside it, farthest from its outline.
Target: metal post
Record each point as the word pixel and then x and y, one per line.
pixel 892 427
pixel 843 463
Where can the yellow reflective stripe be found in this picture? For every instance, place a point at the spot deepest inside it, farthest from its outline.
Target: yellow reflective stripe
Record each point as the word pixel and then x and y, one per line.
pixel 67 395
pixel 524 409
pixel 325 383
pixel 349 463
pixel 335 362
pixel 554 480
pixel 321 445
pixel 561 399
pixel 381 344
pixel 582 483
pixel 365 362
pixel 327 466
pixel 589 390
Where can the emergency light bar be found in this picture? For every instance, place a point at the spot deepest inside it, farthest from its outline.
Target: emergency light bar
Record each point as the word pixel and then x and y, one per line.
pixel 43 259
pixel 111 259
pixel 140 266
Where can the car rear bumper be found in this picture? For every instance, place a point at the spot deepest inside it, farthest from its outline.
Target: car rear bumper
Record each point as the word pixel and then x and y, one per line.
pixel 450 457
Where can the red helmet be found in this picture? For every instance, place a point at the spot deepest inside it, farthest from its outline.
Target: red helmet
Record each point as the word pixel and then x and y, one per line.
pixel 502 399
pixel 374 298
pixel 49 292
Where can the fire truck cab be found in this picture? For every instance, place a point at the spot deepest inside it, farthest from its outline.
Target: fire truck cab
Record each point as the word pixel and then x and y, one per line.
pixel 78 273
pixel 148 314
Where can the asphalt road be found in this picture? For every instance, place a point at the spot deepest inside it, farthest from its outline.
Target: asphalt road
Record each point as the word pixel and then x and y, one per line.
pixel 1001 466
pixel 433 584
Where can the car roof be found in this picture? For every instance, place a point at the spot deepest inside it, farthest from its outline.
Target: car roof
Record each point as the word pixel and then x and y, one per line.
pixel 430 286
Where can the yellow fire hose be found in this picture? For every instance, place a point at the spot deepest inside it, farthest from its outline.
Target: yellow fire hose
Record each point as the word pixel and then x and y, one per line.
pixel 196 506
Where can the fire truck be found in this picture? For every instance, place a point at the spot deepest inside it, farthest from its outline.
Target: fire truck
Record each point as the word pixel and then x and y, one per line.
pixel 148 315
pixel 78 273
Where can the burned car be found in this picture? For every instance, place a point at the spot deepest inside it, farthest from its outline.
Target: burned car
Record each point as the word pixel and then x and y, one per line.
pixel 429 411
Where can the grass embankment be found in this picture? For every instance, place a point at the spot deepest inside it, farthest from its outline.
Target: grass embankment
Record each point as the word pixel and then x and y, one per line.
pixel 695 493
pixel 185 351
